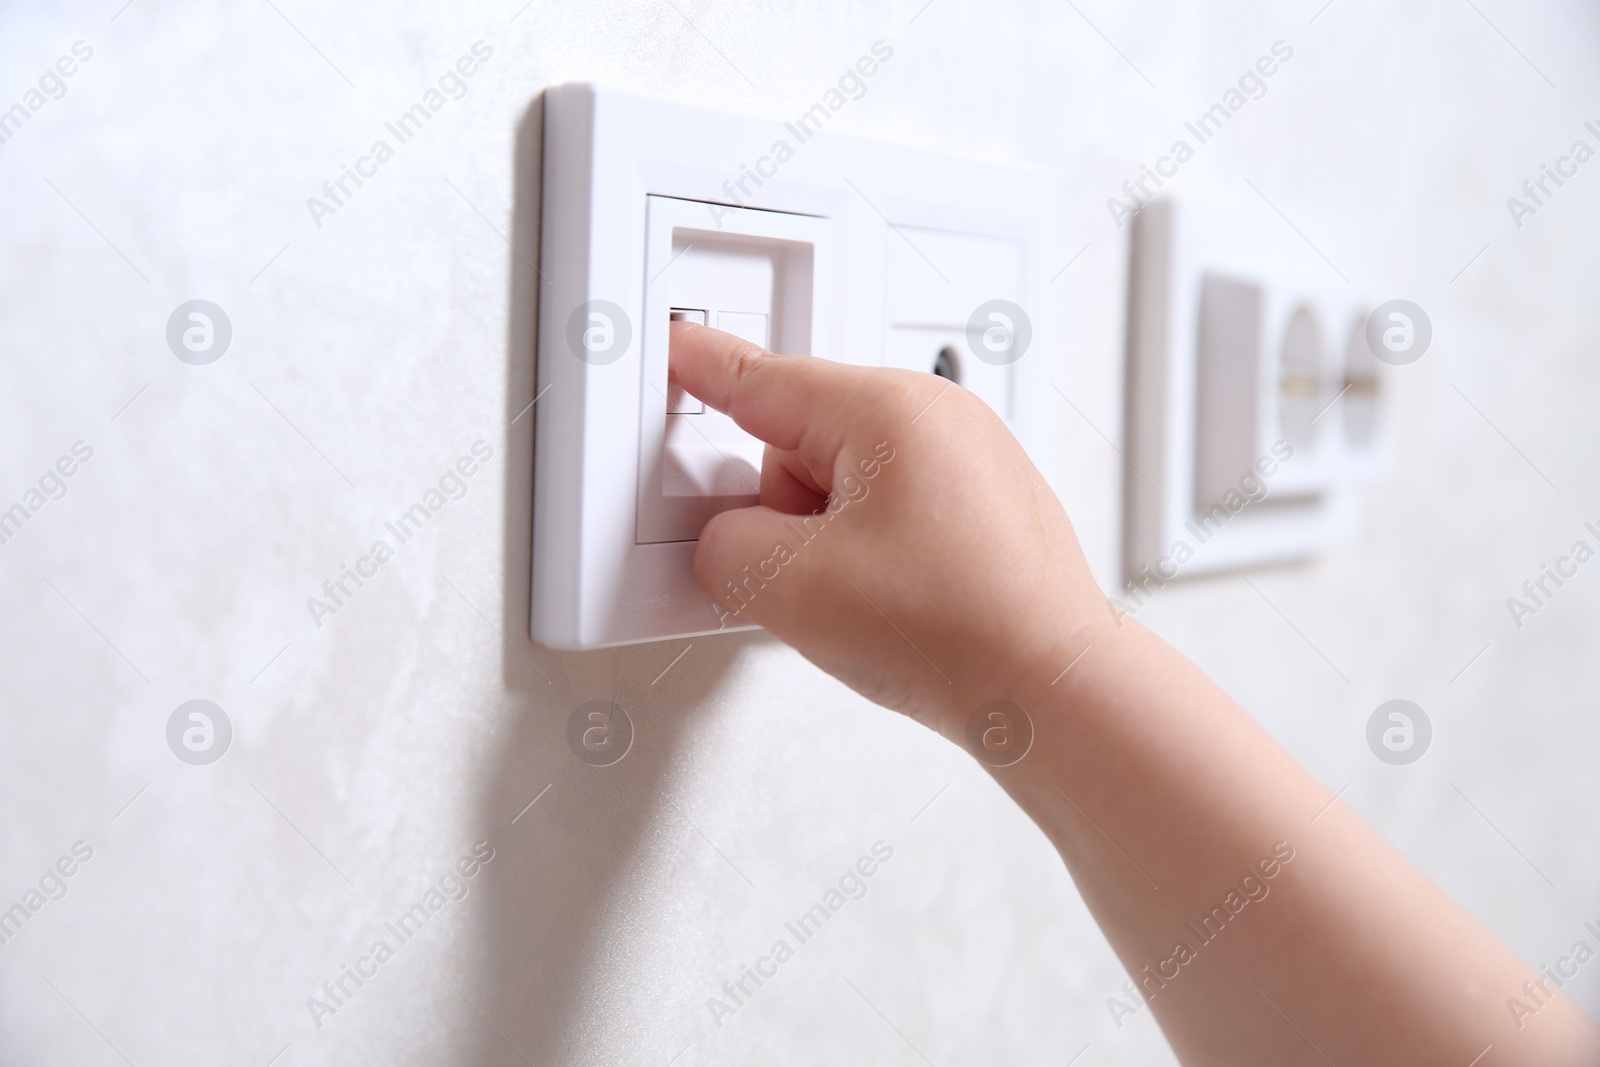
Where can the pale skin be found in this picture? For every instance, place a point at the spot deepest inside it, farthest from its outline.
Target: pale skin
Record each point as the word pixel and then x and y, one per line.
pixel 956 580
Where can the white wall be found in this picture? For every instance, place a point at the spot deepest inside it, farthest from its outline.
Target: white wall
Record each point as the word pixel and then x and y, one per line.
pixel 376 349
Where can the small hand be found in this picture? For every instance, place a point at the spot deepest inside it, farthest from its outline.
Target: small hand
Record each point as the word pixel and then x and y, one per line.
pixel 904 542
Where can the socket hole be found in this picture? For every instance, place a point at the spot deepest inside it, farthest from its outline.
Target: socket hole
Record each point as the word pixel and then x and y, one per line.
pixel 947 364
pixel 1361 388
pixel 1300 378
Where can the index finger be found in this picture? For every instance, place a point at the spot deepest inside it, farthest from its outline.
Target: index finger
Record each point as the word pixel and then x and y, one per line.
pixel 794 403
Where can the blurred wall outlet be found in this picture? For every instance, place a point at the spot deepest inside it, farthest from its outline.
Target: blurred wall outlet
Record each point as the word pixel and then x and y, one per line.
pixel 1255 406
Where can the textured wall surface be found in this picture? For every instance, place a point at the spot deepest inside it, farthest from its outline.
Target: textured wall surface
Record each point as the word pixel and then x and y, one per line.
pixel 372 347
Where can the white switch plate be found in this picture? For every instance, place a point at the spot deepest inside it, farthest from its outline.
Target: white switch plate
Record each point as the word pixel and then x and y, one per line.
pixel 1244 345
pixel 849 249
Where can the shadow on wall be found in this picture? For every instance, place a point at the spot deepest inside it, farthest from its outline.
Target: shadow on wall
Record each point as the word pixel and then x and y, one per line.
pixel 551 885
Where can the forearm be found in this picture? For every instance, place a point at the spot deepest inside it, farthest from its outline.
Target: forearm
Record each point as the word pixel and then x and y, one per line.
pixel 1262 923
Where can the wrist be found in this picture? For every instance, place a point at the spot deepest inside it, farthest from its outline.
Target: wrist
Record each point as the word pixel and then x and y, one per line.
pixel 1034 685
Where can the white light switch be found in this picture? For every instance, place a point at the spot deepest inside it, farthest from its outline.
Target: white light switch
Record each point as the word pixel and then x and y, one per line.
pixel 752 326
pixel 753 276
pixel 862 252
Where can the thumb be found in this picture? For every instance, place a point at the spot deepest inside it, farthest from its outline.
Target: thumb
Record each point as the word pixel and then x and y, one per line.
pixel 747 560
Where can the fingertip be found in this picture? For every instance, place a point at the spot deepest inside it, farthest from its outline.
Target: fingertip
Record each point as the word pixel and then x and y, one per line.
pixel 711 364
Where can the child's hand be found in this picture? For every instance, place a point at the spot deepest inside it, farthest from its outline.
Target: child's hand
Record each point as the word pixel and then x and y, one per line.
pixel 943 574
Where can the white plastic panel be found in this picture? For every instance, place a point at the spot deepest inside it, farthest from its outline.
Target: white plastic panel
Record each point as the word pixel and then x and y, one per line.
pixel 936 279
pixel 857 251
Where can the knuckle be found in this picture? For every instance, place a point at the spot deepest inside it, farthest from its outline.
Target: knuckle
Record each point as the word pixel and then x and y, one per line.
pixel 746 358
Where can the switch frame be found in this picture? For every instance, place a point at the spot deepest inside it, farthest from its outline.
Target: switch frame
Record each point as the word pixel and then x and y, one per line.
pixel 604 153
